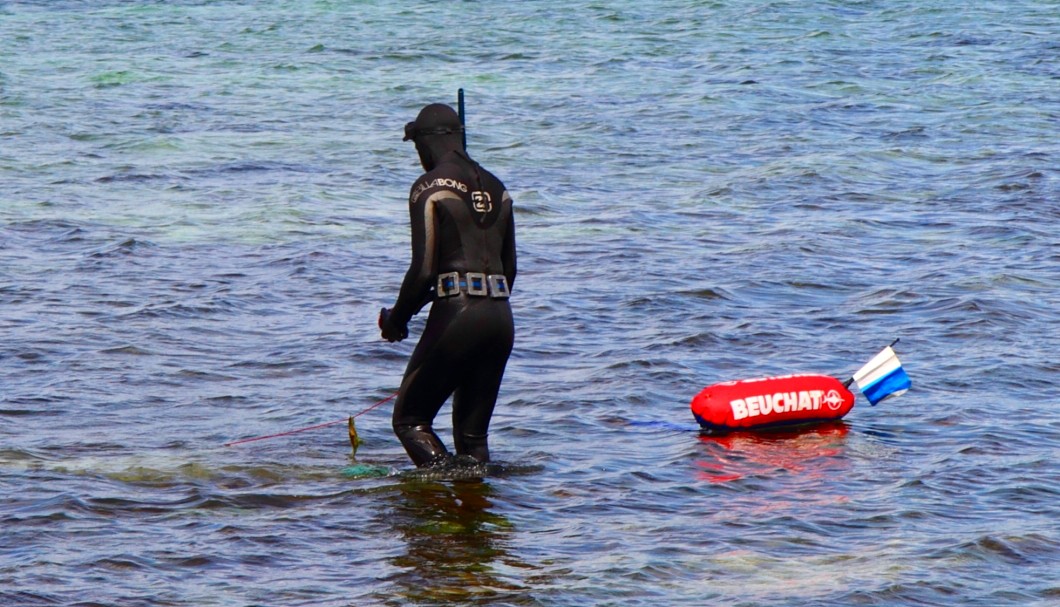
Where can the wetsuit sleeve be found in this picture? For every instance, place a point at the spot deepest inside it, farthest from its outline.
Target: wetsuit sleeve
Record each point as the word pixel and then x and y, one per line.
pixel 508 256
pixel 416 287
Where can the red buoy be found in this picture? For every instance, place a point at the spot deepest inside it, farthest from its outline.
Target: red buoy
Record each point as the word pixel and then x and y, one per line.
pixel 771 401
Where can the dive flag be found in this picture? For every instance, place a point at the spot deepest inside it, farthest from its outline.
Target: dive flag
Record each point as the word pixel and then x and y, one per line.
pixel 883 376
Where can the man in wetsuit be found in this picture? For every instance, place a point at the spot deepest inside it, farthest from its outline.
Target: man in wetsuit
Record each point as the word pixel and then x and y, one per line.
pixel 463 260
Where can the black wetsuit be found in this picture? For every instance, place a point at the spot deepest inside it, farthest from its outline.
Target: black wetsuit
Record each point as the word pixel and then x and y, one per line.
pixel 461 222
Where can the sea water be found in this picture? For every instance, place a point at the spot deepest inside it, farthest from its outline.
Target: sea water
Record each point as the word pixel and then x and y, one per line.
pixel 202 209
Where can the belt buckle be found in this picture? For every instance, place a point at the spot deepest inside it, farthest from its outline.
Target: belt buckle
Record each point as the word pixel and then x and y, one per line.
pixel 448 284
pixel 498 286
pixel 476 284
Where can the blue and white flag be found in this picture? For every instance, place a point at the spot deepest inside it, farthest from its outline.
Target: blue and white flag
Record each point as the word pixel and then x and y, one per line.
pixel 883 376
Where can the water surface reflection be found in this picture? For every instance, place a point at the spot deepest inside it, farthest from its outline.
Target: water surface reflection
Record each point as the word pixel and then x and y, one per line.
pixel 457 547
pixel 809 450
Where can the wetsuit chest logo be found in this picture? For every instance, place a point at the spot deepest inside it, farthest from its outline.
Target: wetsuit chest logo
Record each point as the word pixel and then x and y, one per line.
pixel 481 201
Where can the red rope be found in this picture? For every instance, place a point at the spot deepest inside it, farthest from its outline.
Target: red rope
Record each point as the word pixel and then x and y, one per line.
pixel 324 425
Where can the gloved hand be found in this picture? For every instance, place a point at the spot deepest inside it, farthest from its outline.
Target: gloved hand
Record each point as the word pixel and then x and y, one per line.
pixel 391 332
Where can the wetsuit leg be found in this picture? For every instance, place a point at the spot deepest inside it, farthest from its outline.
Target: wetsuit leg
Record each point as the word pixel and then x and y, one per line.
pixel 476 395
pixel 422 444
pixel 425 388
pixel 464 349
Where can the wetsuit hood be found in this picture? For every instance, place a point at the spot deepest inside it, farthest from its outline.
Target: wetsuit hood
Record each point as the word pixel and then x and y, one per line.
pixel 436 131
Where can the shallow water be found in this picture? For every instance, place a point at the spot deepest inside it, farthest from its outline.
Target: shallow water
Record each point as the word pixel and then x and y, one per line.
pixel 203 210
